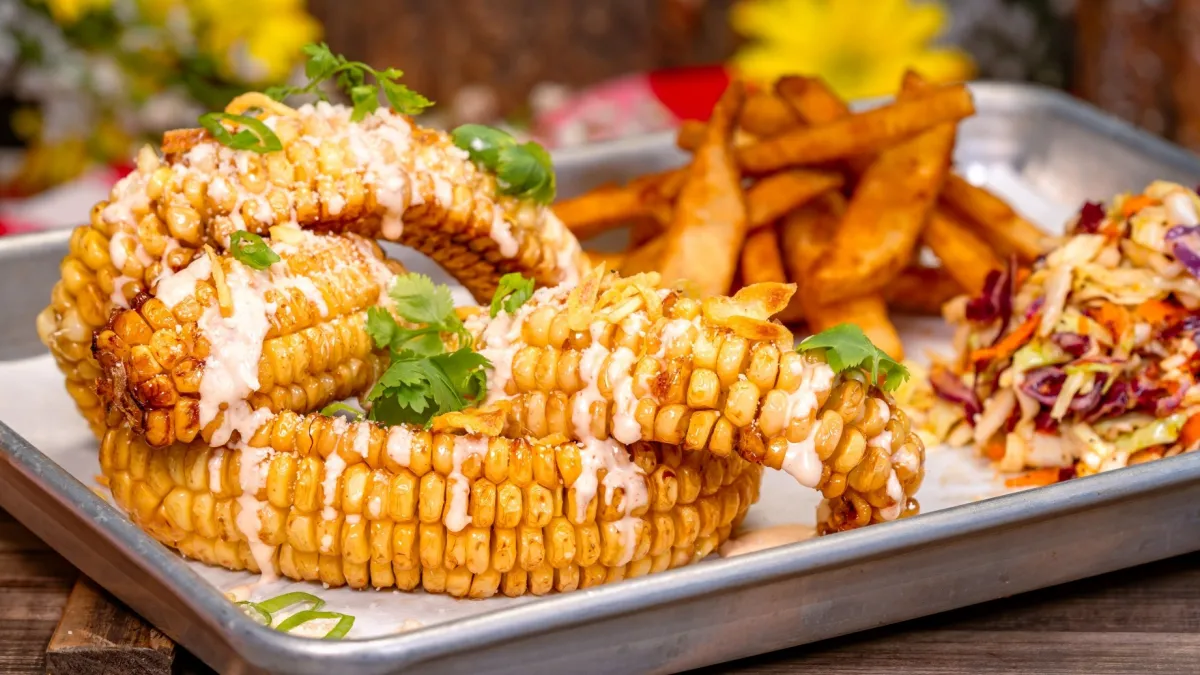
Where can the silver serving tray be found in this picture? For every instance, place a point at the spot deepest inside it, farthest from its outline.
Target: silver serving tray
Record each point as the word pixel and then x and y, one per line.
pixel 1062 152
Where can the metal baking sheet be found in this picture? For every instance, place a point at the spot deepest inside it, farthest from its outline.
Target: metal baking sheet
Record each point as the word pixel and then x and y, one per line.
pixel 1042 150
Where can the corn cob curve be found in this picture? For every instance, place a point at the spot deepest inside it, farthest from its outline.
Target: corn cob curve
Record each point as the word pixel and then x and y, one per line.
pixel 622 358
pixel 383 177
pixel 315 498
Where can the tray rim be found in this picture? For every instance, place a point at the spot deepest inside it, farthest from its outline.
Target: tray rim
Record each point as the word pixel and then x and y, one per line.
pixel 262 647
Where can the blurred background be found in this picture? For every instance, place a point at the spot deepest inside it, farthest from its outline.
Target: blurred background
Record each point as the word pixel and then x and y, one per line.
pixel 83 82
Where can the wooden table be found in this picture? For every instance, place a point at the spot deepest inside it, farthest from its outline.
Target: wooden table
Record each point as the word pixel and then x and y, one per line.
pixel 1146 619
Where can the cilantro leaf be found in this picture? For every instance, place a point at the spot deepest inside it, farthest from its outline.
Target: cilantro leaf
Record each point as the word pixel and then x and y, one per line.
pixel 381 326
pixel 254 135
pixel 847 347
pixel 351 78
pixel 512 292
pixel 250 250
pixel 402 99
pixel 482 143
pixel 466 371
pixel 523 170
pixel 419 300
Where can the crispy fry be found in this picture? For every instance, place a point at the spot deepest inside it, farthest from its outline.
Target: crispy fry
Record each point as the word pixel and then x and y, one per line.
pixel 807 234
pixel 773 196
pixel 964 255
pixel 608 207
pixel 886 214
pixel 709 226
pixel 598 211
pixel 922 290
pixel 690 135
pixel 645 229
pixel 610 260
pixel 816 104
pixel 994 220
pixel 861 134
pixel 644 258
pixel 765 114
pixel 761 258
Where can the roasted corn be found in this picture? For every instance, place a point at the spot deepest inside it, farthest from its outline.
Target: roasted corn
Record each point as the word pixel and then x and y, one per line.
pixel 382 177
pixel 319 499
pixel 290 338
pixel 621 358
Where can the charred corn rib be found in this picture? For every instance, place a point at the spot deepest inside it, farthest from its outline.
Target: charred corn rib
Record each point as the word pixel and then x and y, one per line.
pixel 621 358
pixel 382 177
pixel 315 498
pixel 220 341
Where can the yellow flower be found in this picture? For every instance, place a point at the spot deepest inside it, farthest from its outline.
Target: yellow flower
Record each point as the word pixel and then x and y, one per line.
pixel 860 47
pixel 67 12
pixel 256 42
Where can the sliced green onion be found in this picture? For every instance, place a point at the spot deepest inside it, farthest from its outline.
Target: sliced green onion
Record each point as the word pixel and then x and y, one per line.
pixel 282 602
pixel 255 612
pixel 345 622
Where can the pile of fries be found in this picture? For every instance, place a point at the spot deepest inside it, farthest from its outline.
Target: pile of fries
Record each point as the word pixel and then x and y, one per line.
pixel 790 185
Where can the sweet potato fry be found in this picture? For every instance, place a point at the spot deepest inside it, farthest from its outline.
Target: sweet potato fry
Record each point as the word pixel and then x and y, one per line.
pixel 862 134
pixel 765 114
pixel 994 220
pixel 592 213
pixel 884 218
pixel 761 259
pixel 773 196
pixel 964 255
pixel 807 234
pixel 922 290
pixel 709 226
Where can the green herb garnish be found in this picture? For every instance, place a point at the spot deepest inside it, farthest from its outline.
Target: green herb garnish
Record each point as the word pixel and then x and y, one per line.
pixel 514 290
pixel 351 78
pixel 423 380
pixel 262 613
pixel 522 169
pixel 337 407
pixel 254 135
pixel 846 347
pixel 251 250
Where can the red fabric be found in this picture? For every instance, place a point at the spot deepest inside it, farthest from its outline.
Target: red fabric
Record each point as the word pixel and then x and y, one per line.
pixel 689 93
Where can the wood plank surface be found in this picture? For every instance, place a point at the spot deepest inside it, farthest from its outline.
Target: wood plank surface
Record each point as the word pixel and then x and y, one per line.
pixel 98 635
pixel 1141 620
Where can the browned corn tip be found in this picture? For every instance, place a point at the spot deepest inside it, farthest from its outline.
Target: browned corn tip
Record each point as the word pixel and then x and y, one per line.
pixel 388 524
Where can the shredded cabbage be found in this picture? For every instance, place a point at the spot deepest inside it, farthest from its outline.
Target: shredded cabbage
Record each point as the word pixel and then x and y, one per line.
pixel 1158 432
pixel 1038 353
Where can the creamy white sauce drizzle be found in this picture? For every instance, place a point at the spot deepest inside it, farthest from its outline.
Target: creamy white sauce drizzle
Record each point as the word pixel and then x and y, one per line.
pixel 334 466
pixel 801 459
pixel 252 474
pixel 399 445
pixel 458 488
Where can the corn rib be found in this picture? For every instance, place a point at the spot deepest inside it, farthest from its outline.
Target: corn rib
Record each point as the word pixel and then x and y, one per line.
pixel 621 358
pixel 319 499
pixel 383 177
pixel 293 337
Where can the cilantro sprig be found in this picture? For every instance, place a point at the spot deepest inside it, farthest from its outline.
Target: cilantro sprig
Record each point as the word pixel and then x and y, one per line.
pixel 424 380
pixel 251 250
pixel 351 78
pixel 522 169
pixel 847 347
pixel 513 291
pixel 254 135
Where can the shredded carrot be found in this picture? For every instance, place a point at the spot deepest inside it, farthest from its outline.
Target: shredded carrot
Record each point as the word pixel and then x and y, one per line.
pixel 1034 478
pixel 1021 276
pixel 994 451
pixel 1190 433
pixel 1113 317
pixel 1009 343
pixel 1159 313
pixel 1137 203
